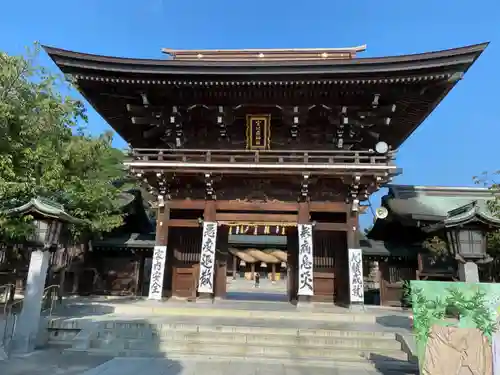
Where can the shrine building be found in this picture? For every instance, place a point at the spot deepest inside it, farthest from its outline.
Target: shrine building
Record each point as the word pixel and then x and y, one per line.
pixel 283 143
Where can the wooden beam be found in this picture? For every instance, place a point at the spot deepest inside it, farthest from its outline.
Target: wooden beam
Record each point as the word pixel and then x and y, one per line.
pixel 328 207
pixel 337 227
pixel 285 218
pixel 257 206
pixel 183 223
pixel 187 204
pixel 226 205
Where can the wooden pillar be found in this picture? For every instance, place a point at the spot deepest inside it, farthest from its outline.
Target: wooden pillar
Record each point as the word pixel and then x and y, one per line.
pixel 252 271
pixel 139 281
pixel 303 217
pixel 352 229
pixel 292 242
pixel 235 266
pixel 209 211
pixel 273 272
pixel 162 225
pixel 62 281
pixel 220 282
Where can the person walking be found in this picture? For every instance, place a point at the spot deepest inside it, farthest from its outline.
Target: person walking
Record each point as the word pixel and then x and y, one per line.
pixel 257 280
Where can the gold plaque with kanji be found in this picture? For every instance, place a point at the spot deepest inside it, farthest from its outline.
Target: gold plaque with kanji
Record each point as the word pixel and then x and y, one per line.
pixel 258 132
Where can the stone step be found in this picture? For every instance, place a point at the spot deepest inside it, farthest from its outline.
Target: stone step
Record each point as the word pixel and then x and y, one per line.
pixel 148 309
pixel 237 338
pixel 383 365
pixel 134 330
pixel 133 347
pixel 165 349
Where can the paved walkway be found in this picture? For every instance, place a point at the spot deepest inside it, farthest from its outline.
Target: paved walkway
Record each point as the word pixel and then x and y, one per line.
pixel 51 362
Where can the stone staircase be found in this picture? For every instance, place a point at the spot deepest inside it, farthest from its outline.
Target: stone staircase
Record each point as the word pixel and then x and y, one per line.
pixel 309 346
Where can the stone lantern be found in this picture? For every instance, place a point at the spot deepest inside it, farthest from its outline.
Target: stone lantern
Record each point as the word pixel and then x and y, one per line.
pixel 48 220
pixel 466 228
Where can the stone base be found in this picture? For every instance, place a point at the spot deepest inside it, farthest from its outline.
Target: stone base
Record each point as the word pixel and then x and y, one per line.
pixel 304 302
pixel 205 297
pixel 468 272
pixel 3 355
pixel 303 299
pixel 357 306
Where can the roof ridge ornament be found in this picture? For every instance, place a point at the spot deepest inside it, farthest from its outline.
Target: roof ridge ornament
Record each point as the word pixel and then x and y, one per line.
pixel 269 54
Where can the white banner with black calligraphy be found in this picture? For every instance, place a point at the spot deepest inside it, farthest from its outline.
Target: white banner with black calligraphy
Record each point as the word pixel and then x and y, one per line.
pixel 356 286
pixel 157 273
pixel 207 258
pixel 305 260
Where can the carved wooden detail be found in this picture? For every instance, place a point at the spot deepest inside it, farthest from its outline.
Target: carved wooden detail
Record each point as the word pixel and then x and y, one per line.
pixel 352 124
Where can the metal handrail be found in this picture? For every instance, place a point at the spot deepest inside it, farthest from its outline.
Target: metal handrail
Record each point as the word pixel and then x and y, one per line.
pixel 51 296
pixel 9 290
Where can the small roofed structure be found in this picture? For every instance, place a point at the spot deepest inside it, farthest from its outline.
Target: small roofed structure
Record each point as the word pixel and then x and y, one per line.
pixel 476 213
pixel 459 216
pixel 465 228
pixel 48 219
pixel 45 208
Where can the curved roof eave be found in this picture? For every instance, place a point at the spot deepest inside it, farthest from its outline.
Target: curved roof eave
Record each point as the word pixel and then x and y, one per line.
pixel 69 62
pixel 471 216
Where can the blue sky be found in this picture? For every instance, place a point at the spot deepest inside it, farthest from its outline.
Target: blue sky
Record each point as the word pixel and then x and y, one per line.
pixel 458 141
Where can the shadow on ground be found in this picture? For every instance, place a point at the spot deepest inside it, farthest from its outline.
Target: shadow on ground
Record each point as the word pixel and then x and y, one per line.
pixel 256 296
pixel 397 367
pixel 394 321
pixel 56 360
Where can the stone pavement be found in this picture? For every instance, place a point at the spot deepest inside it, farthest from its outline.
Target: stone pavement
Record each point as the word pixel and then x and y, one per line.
pixel 52 362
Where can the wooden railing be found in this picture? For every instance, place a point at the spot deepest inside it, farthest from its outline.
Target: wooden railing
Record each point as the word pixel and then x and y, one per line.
pixel 262 156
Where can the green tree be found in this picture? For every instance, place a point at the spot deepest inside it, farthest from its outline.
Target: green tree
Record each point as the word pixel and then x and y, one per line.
pixel 45 150
pixel 489 180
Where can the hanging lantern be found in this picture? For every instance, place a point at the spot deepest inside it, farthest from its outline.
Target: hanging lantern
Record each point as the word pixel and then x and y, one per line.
pixel 263 265
pixel 283 264
pixel 242 263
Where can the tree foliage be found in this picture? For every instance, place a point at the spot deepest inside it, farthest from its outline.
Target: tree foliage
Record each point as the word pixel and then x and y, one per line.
pixel 45 150
pixel 489 180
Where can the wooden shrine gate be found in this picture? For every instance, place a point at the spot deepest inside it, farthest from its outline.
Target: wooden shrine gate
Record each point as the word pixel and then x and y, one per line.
pixel 184 230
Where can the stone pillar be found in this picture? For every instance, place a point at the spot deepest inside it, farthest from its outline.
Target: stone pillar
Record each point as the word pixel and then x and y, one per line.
pixel 468 272
pixel 206 278
pixel 355 264
pixel 160 254
pixel 273 272
pixel 305 289
pixel 28 324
